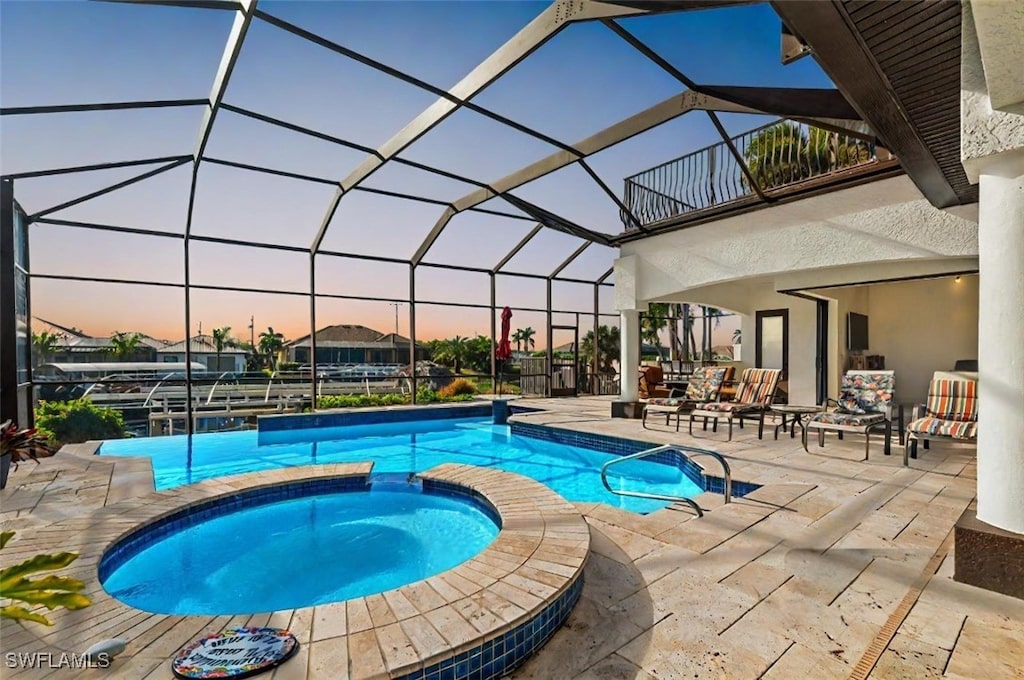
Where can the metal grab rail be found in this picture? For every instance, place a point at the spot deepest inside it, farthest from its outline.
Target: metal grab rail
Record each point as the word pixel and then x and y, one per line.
pixel 686 451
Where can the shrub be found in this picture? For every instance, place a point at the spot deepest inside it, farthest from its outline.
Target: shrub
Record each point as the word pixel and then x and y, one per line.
pixel 78 420
pixel 362 400
pixel 425 395
pixel 288 366
pixel 457 387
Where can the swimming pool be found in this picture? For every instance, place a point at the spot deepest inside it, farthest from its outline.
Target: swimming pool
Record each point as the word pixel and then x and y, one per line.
pixel 412 446
pixel 297 552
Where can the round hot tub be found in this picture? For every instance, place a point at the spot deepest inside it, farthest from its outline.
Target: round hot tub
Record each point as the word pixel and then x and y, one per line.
pixel 291 546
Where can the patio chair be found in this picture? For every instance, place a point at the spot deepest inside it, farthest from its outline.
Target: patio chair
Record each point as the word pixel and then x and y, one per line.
pixel 951 414
pixel 754 394
pixel 865 403
pixel 652 383
pixel 704 386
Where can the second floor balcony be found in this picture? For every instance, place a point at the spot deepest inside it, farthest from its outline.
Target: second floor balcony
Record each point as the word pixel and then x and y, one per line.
pixel 762 165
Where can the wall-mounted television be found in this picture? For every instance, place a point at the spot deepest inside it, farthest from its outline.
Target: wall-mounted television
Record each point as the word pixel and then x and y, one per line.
pixel 856 332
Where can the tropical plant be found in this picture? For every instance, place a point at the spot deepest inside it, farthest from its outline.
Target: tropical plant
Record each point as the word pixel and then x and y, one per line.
pixel 78 420
pixel 478 356
pixel 517 337
pixel 50 591
pixel 608 348
pixel 785 153
pixel 124 344
pixel 737 336
pixel 457 387
pixel 222 340
pixel 44 344
pixel 452 352
pixel 17 445
pixel 527 337
pixel 270 343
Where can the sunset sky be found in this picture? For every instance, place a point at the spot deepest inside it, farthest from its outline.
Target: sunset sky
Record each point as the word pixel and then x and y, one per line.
pixel 582 81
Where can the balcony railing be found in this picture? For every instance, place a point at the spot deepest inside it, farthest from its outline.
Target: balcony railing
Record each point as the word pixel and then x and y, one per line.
pixel 779 157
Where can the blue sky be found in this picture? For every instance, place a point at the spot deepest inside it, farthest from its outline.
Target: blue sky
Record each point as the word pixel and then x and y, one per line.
pixel 580 82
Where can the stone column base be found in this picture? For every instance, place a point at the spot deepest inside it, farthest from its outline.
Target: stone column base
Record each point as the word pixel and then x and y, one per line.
pixel 627 409
pixel 988 557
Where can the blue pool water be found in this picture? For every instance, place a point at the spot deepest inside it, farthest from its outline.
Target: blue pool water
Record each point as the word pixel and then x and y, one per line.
pixel 412 446
pixel 302 552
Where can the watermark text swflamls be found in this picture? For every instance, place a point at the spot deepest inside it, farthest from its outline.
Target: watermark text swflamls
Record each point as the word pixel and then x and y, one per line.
pixel 53 660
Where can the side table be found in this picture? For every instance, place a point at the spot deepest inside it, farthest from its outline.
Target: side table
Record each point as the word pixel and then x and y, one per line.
pixel 797 413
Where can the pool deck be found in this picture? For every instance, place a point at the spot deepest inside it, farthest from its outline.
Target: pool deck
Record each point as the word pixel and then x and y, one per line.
pixel 835 568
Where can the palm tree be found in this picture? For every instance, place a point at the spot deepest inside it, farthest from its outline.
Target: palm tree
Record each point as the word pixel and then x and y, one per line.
pixel 124 344
pixel 737 336
pixel 517 338
pixel 784 153
pixel 270 344
pixel 457 350
pixel 528 341
pixel 44 344
pixel 608 348
pixel 221 340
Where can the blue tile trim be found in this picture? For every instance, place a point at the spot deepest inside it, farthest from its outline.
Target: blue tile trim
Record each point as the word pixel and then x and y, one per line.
pixel 303 421
pixel 193 515
pixel 442 488
pixel 624 447
pixel 499 656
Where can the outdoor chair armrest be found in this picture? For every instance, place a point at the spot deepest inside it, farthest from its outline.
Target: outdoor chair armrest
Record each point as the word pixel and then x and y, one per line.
pixel 919 411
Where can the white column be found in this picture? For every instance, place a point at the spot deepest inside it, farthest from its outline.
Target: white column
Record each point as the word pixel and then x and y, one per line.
pixel 1001 346
pixel 629 353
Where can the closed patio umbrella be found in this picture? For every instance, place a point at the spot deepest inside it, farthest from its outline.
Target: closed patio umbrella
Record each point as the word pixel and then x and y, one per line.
pixel 504 350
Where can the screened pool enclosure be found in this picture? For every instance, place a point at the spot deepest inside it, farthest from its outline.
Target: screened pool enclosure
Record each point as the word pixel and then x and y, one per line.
pixel 362 190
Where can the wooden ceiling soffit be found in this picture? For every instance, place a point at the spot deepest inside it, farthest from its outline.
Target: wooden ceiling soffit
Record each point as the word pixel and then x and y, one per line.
pixel 665 6
pixel 846 59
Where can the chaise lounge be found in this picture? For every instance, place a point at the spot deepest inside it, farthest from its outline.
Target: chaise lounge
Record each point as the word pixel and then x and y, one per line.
pixel 754 395
pixel 704 386
pixel 865 403
pixel 950 414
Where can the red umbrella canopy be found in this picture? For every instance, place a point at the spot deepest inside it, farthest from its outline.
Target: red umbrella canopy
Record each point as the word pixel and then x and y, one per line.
pixel 504 349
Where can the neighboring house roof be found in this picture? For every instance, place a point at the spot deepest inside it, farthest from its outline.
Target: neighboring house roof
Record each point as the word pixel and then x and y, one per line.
pixel 201 344
pixel 351 335
pixel 63 329
pixel 86 344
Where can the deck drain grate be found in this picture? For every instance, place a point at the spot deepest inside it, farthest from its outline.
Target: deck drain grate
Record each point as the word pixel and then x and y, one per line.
pixel 888 631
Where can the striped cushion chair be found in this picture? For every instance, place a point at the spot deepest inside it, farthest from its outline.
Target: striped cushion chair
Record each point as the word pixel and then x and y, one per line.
pixel 754 394
pixel 865 403
pixel 704 385
pixel 950 414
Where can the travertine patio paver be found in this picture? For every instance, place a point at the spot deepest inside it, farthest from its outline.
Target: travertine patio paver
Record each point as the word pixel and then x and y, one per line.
pixel 795 590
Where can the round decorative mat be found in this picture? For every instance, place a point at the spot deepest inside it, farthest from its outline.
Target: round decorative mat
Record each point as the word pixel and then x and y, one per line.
pixel 235 653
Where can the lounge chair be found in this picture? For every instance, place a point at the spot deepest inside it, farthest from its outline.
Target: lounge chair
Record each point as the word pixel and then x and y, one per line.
pixel 951 414
pixel 865 403
pixel 704 386
pixel 754 394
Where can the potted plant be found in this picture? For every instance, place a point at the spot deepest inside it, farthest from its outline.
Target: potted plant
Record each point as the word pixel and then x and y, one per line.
pixel 17 445
pixel 50 591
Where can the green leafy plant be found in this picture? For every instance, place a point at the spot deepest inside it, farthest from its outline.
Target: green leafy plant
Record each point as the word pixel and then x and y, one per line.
pixel 78 420
pixel 362 400
pixel 124 344
pixel 50 591
pixel 425 395
pixel 457 387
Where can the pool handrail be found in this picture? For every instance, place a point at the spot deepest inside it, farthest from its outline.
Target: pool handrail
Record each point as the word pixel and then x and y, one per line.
pixel 686 451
